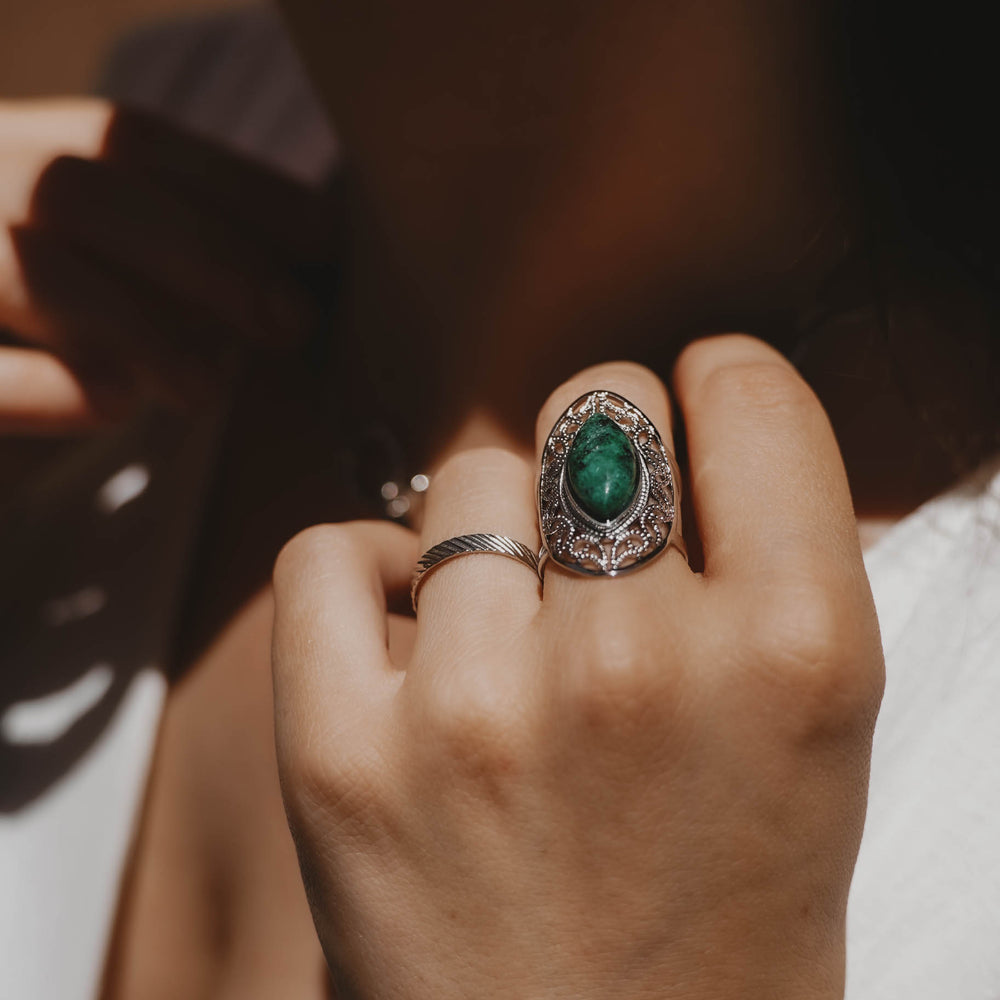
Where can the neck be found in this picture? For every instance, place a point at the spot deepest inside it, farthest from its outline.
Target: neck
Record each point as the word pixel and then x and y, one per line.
pixel 541 187
pixel 576 173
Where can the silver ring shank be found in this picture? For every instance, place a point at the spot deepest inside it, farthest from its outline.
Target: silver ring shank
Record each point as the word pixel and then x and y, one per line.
pixel 464 545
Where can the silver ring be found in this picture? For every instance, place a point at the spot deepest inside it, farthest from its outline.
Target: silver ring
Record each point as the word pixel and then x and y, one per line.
pixel 608 491
pixel 463 545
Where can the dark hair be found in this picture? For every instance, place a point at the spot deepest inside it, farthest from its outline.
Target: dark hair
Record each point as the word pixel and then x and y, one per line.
pixel 923 82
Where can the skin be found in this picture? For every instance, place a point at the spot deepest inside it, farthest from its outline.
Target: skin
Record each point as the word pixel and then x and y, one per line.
pixel 459 812
pixel 645 787
pixel 488 211
pixel 129 257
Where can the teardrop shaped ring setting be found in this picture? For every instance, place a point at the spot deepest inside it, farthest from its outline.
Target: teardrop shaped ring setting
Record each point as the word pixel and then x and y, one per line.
pixel 608 497
pixel 608 489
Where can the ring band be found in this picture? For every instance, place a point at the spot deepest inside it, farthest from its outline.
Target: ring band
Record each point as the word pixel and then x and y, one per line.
pixel 608 489
pixel 676 541
pixel 464 545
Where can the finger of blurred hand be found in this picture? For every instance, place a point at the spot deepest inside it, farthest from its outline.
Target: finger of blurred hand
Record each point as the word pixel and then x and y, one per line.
pixel 766 477
pixel 262 203
pixel 297 219
pixel 34 132
pixel 40 394
pixel 192 255
pixel 92 315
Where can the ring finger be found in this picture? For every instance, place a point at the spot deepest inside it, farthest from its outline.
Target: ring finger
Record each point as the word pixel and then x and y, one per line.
pixel 482 490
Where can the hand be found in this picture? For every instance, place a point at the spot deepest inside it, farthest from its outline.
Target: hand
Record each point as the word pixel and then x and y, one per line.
pixel 648 786
pixel 139 259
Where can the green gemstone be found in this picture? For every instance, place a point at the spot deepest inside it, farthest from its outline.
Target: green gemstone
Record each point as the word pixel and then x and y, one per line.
pixel 602 468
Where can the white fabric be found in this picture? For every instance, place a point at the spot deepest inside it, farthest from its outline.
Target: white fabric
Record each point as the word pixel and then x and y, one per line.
pixel 61 859
pixel 99 550
pixel 924 913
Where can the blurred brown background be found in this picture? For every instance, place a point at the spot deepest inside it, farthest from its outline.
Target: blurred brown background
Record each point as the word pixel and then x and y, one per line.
pixel 56 46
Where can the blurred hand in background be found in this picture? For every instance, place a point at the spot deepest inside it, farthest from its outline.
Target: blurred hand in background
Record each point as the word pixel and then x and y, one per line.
pixel 138 261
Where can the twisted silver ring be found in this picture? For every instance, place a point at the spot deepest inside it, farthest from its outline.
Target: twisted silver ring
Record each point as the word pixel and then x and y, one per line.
pixel 463 545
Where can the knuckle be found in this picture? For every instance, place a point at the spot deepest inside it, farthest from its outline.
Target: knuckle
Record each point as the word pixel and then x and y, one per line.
pixel 614 675
pixel 320 542
pixel 319 785
pixel 704 354
pixel 307 778
pixel 766 386
pixel 477 724
pixel 819 649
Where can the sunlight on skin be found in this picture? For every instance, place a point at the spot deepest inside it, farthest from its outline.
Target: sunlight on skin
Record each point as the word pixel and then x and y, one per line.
pixel 40 393
pixel 120 254
pixel 38 131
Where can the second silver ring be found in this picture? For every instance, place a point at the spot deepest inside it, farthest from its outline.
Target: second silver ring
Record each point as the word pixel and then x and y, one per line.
pixel 464 545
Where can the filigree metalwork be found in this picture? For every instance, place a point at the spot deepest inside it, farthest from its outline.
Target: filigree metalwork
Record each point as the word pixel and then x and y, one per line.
pixel 573 538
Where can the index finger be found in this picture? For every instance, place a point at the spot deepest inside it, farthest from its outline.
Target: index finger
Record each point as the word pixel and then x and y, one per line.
pixel 766 477
pixel 330 656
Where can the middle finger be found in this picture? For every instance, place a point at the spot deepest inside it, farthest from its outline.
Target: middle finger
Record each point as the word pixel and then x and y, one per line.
pixel 605 478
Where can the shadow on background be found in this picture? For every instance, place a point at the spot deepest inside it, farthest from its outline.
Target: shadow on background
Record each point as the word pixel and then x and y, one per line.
pixel 91 590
